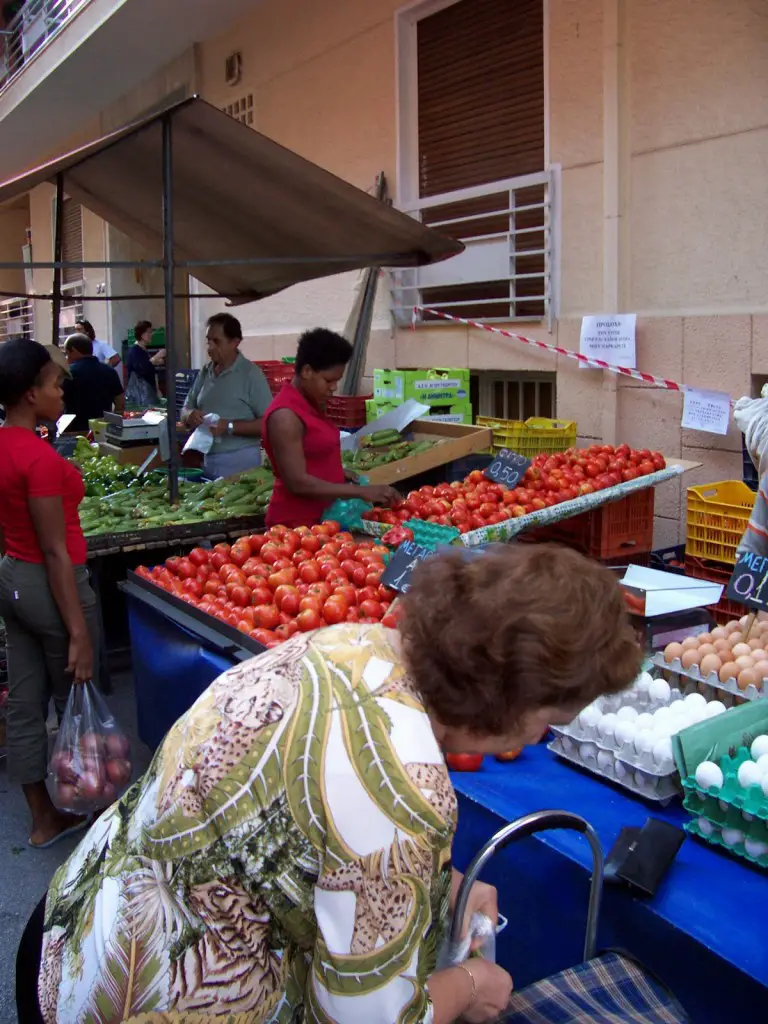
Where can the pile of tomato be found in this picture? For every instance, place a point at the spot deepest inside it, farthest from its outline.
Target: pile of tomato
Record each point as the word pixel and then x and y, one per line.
pixel 476 501
pixel 272 585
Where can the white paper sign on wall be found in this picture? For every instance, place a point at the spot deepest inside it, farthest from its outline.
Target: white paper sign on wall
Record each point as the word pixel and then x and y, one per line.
pixel 706 410
pixel 610 338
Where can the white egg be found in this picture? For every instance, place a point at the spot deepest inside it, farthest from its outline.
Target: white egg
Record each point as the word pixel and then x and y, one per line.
pixel 747 817
pixel 567 744
pixel 587 751
pixel 645 741
pixel 644 721
pixel 643 682
pixel 698 715
pixel 759 747
pixel 732 836
pixel 695 700
pixel 755 848
pixel 606 726
pixel 659 690
pixel 665 729
pixel 709 775
pixel 642 781
pixel 627 714
pixel 762 763
pixel 661 715
pixel 605 760
pixel 662 753
pixel 678 708
pixel 705 826
pixel 749 774
pixel 589 717
pixel 624 733
pixel 714 708
pixel 620 769
pixel 764 785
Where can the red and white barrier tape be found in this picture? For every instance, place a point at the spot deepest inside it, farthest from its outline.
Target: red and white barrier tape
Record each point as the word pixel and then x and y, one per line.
pixel 595 364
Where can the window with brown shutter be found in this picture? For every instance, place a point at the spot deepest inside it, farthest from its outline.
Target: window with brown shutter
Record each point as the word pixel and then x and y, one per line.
pixel 72 240
pixel 479 80
pixel 480 93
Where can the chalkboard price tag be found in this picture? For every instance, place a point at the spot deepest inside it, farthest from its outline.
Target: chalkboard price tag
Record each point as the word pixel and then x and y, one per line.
pixel 748 584
pixel 397 575
pixel 508 468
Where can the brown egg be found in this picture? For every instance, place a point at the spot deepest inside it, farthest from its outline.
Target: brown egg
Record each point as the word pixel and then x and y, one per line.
pixel 761 669
pixel 722 645
pixel 729 627
pixel 734 637
pixel 744 661
pixel 707 649
pixel 730 670
pixel 704 638
pixel 759 654
pixel 691 658
pixel 691 643
pixel 762 616
pixel 744 621
pixel 710 663
pixel 672 651
pixel 718 633
pixel 747 677
pixel 755 642
pixel 741 649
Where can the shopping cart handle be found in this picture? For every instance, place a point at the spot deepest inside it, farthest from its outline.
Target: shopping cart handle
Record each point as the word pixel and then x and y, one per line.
pixel 539 821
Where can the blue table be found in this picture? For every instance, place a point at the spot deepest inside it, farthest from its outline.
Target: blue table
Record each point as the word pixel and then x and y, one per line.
pixel 705 933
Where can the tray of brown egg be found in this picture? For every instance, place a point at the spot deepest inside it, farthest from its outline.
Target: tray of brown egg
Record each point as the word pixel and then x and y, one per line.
pixel 733 657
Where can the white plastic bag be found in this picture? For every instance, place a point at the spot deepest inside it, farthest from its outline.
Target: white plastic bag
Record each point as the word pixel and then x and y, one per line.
pixel 751 417
pixel 480 929
pixel 201 439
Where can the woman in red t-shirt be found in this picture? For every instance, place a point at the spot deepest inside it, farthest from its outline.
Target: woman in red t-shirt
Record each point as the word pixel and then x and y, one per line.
pixel 45 597
pixel 303 446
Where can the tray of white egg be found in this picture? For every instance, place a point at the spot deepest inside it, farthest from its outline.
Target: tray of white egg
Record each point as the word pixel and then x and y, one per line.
pixel 728 799
pixel 627 738
pixel 733 658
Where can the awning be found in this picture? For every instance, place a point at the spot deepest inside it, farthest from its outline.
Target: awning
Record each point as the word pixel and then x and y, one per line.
pixel 238 195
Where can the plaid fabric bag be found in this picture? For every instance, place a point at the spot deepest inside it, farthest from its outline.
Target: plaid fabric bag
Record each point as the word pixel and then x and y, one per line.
pixel 611 989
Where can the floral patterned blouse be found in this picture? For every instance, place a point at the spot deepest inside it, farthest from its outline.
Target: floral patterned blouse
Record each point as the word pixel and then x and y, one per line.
pixel 286 857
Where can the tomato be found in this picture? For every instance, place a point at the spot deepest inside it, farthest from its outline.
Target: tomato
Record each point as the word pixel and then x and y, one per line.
pixel 249 615
pixel 367 593
pixel 285 590
pixel 211 587
pixel 322 591
pixel 309 619
pixel 270 553
pixel 332 527
pixel 194 587
pixel 199 556
pixel 371 609
pixel 389 620
pixel 251 565
pixel 310 604
pixel 309 572
pixel 240 553
pixel 301 556
pixel 372 577
pixel 144 572
pixel 509 755
pixel 284 577
pixel 231 574
pixel 261 596
pixel 241 596
pixel 185 569
pixel 256 542
pixel 264 636
pixel 629 474
pixel 290 604
pixel 287 630
pixel 310 543
pixel 335 610
pixel 646 467
pixel 320 531
pixel 348 550
pixel 223 547
pixel 267 616
pixel 464 762
pixel 353 615
pixel 328 567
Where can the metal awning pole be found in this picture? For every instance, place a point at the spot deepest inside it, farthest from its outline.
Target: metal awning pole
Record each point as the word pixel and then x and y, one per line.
pixel 58 248
pixel 169 273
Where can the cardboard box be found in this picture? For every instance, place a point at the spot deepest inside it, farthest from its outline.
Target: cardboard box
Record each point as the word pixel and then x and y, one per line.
pixel 455 441
pixel 133 456
pixel 461 412
pixel 432 387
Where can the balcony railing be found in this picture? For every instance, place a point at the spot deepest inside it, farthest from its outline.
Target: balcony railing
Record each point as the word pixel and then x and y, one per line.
pixel 30 30
pixel 505 272
pixel 17 319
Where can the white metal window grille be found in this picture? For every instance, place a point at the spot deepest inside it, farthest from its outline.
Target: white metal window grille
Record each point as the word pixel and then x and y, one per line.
pixel 17 319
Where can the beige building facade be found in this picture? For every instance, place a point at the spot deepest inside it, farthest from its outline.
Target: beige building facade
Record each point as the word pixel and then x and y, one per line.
pixel 654 198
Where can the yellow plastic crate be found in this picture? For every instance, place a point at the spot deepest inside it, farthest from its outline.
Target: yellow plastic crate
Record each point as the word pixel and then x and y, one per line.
pixel 717 518
pixel 531 436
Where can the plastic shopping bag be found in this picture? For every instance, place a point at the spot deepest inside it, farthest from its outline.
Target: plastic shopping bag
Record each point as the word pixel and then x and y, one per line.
pixel 90 764
pixel 481 935
pixel 751 417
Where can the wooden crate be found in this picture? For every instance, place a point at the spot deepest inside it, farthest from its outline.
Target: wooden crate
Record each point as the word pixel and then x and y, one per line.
pixel 455 441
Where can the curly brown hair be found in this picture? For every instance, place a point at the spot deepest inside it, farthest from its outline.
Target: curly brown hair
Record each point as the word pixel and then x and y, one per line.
pixel 523 627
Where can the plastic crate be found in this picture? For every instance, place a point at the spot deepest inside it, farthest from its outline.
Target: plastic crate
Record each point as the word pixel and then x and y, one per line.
pixel 713 572
pixel 276 372
pixel 717 518
pixel 669 559
pixel 347 412
pixel 750 474
pixel 622 529
pixel 532 436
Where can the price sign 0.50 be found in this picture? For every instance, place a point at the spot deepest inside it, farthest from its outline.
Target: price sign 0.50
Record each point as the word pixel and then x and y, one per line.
pixel 749 581
pixel 508 468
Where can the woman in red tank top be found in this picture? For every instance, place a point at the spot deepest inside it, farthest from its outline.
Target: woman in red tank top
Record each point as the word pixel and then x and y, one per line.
pixel 303 446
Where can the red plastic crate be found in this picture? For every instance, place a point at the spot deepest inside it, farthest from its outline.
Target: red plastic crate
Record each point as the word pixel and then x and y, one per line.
pixel 715 572
pixel 621 529
pixel 347 411
pixel 276 372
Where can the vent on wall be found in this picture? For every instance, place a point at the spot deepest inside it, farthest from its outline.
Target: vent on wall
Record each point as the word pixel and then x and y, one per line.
pixel 242 109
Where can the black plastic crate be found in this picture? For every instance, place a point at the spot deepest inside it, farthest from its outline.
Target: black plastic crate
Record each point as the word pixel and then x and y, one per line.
pixel 184 381
pixel 669 559
pixel 750 475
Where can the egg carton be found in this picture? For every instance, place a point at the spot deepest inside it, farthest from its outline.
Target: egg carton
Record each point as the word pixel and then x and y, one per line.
pixel 747 847
pixel 431 535
pixel 626 752
pixel 713 680
pixel 659 789
pixel 730 806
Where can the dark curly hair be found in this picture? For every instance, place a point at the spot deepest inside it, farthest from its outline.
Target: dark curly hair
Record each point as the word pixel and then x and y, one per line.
pixel 520 628
pixel 321 349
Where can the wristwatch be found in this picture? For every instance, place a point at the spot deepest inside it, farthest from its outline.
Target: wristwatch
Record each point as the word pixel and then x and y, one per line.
pixel 230 428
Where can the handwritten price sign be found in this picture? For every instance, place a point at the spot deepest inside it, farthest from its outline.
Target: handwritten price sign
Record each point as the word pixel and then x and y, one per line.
pixel 508 468
pixel 749 582
pixel 397 575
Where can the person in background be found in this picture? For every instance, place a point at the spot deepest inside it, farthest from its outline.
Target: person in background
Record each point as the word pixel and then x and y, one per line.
pixel 103 352
pixel 303 446
pixel 751 417
pixel 287 856
pixel 233 388
pixel 93 388
pixel 46 600
pixel 141 385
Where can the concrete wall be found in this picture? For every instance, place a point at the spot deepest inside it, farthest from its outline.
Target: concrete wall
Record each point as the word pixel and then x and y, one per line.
pixel 657 118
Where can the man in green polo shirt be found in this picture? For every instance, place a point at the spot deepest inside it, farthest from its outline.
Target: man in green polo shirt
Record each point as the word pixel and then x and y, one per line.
pixel 234 389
